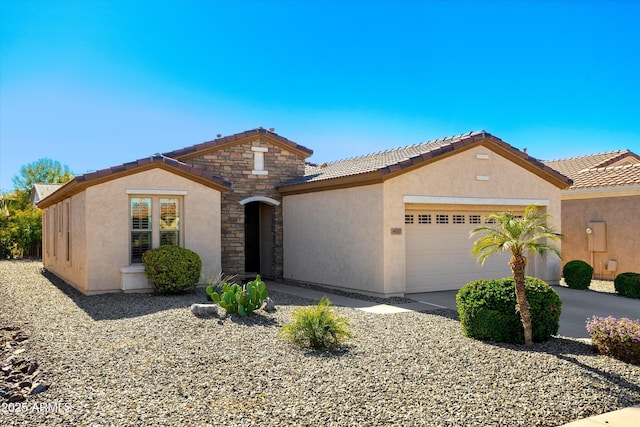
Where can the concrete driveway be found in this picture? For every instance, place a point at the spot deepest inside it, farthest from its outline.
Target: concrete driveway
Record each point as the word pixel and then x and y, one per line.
pixel 577 307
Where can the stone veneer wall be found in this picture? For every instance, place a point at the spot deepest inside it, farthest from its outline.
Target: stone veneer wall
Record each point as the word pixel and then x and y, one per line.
pixel 235 164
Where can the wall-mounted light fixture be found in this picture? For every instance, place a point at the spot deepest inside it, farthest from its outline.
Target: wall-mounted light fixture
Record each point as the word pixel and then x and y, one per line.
pixel 589 230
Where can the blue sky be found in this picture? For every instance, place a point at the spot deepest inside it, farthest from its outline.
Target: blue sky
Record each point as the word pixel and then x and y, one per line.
pixel 94 84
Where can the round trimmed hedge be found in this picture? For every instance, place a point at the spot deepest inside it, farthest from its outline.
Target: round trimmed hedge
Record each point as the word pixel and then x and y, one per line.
pixel 487 310
pixel 577 274
pixel 171 269
pixel 628 284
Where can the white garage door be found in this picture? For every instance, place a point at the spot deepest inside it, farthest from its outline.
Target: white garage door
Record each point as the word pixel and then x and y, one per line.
pixel 438 251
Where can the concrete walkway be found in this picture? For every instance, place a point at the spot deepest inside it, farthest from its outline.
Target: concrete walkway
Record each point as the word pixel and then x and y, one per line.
pixel 627 417
pixel 577 306
pixel 343 301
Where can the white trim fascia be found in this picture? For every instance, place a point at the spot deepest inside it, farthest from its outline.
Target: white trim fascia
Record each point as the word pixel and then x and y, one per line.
pixel 267 200
pixel 453 200
pixel 158 192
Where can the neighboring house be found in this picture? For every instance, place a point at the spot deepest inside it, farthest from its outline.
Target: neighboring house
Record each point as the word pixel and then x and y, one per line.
pixel 387 224
pixel 40 191
pixel 601 211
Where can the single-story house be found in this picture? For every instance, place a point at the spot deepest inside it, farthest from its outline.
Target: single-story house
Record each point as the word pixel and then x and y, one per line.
pixel 601 211
pixel 388 223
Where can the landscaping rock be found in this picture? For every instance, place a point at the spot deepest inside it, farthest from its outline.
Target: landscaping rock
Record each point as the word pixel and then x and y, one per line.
pixel 18 374
pixel 269 306
pixel 204 310
pixel 38 388
pixel 139 359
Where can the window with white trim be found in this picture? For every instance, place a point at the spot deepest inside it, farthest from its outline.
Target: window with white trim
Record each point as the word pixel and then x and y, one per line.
pixel 141 227
pixel 148 232
pixel 169 221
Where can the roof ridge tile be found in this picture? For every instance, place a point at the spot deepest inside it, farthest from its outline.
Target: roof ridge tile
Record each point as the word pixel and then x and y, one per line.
pixel 611 168
pixel 584 156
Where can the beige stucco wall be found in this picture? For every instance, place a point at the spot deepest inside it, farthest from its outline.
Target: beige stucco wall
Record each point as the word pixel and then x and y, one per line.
pixel 621 216
pixel 343 237
pixel 335 238
pixel 73 271
pixel 101 244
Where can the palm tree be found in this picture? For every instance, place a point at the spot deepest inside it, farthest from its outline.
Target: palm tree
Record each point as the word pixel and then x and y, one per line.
pixel 519 235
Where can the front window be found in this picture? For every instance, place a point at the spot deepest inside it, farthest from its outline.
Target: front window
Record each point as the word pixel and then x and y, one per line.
pixel 155 221
pixel 141 227
pixel 169 222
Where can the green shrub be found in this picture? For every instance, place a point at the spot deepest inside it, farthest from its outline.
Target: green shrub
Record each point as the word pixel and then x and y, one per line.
pixel 487 310
pixel 619 338
pixel 319 327
pixel 242 300
pixel 577 274
pixel 171 269
pixel 628 284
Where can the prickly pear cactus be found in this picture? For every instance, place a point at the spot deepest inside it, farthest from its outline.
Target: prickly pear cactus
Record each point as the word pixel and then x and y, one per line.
pixel 242 300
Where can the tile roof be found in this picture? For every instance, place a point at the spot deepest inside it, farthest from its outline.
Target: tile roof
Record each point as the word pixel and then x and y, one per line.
pixel 157 160
pixel 612 176
pixel 373 162
pixel 574 165
pixel 611 169
pixel 188 151
pixel 400 158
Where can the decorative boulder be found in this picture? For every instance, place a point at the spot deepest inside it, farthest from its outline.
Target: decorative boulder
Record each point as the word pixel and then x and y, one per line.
pixel 269 305
pixel 204 310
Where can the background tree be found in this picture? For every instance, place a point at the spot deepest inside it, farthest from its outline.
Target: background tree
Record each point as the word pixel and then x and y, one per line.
pixel 42 171
pixel 20 221
pixel 45 171
pixel 519 236
pixel 5 236
pixel 25 229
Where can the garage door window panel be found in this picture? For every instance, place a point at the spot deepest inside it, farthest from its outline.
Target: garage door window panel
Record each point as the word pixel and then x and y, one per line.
pixel 458 219
pixel 424 219
pixel 442 219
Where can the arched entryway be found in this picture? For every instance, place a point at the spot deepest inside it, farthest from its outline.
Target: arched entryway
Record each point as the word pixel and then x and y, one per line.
pixel 259 235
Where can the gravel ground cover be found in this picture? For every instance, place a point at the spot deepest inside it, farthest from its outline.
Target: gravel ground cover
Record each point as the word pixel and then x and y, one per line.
pixel 138 359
